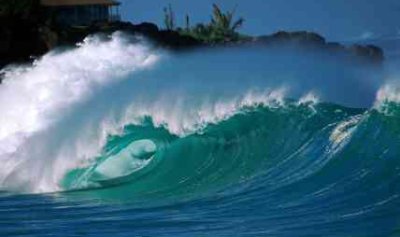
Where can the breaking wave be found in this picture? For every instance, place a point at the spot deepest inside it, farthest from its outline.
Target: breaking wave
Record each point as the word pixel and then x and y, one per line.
pixel 119 119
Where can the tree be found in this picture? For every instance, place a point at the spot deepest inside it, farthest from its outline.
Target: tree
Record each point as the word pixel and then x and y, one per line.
pixel 187 23
pixel 223 25
pixel 169 18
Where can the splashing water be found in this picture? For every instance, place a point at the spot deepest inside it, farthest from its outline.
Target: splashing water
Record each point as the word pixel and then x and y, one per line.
pixel 132 140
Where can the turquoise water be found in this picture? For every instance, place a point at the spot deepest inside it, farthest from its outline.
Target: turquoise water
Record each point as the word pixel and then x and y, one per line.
pixel 293 171
pixel 139 157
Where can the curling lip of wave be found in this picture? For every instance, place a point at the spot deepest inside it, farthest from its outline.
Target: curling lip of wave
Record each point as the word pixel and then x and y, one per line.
pixel 36 149
pixel 33 98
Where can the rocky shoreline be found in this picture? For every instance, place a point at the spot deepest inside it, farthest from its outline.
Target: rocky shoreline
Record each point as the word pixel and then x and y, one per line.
pixel 22 41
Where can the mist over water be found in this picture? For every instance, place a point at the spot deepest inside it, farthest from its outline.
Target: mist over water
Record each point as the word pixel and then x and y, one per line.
pixel 276 138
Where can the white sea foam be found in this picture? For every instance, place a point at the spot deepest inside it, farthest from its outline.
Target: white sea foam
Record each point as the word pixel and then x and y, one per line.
pixel 388 93
pixel 182 118
pixel 34 98
pixel 308 99
pixel 58 113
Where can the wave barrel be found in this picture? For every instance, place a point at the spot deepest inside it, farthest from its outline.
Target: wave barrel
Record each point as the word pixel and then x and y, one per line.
pixel 126 162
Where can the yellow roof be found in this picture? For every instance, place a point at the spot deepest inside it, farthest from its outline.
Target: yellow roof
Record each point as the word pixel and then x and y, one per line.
pixel 55 3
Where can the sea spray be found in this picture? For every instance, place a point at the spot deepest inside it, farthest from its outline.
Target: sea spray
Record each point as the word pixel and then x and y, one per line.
pixel 233 142
pixel 65 108
pixel 34 98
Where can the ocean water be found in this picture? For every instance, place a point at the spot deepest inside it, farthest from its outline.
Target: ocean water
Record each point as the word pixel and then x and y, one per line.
pixel 119 138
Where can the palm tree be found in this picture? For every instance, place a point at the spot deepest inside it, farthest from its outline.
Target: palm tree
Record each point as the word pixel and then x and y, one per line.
pixel 223 24
pixel 222 27
pixel 169 18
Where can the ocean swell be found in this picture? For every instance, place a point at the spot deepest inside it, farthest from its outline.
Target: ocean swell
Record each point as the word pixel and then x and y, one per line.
pixel 216 118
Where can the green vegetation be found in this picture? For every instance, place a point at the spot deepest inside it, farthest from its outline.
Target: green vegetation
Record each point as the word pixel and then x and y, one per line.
pixel 222 27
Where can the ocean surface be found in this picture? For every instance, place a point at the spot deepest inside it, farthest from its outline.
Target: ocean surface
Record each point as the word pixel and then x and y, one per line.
pixel 119 138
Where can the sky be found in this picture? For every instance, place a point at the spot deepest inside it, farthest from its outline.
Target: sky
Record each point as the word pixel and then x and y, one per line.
pixel 339 20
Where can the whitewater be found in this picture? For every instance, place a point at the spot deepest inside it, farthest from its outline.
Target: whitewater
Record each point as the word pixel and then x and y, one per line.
pixel 119 137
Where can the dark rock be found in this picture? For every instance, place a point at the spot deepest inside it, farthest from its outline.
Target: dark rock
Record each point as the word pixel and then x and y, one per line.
pixel 335 46
pixel 174 40
pixel 164 38
pixel 365 54
pixel 145 28
pixel 300 37
pixel 29 31
pixel 20 39
pixel 368 52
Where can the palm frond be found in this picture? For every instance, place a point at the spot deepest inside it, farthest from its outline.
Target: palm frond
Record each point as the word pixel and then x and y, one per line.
pixel 237 24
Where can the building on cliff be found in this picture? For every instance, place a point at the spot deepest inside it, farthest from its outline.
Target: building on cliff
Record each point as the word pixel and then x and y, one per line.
pixel 82 12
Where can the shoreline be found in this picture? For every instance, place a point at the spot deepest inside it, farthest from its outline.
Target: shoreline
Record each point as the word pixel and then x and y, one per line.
pixel 24 48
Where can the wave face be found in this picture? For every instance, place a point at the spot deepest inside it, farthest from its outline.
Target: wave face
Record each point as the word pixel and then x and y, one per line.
pixel 117 138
